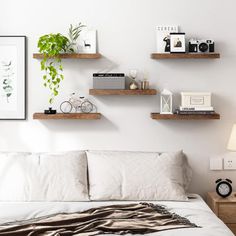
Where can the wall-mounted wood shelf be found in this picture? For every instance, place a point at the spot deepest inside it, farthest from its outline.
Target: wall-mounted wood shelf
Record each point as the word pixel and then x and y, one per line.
pixel 122 92
pixel 158 116
pixel 69 116
pixel 71 56
pixel 185 56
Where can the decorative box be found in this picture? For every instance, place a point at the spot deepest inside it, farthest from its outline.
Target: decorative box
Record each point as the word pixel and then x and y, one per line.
pixel 196 99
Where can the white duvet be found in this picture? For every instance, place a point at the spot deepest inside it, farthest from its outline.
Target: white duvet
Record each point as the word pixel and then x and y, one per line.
pixel 196 210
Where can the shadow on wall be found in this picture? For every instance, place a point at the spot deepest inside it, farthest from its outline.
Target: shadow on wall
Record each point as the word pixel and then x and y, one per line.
pixel 132 101
pixel 180 64
pixel 10 134
pixel 200 174
pixel 102 64
pixel 67 126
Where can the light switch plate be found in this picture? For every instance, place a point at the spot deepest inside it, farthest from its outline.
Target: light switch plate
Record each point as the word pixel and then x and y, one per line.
pixel 216 163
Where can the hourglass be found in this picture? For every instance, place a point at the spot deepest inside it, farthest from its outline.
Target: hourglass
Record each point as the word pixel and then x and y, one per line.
pixel 133 85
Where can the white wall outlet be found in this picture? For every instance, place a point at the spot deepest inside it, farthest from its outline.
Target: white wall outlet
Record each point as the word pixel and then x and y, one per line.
pixel 216 163
pixel 229 163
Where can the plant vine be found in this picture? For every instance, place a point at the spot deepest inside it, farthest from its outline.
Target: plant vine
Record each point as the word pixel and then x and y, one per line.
pixel 51 46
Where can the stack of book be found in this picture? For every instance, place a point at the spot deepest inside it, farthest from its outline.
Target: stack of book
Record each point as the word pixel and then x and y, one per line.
pixel 194 110
pixel 193 103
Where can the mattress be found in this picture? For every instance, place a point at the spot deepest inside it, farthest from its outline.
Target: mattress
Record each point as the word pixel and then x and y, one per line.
pixel 196 210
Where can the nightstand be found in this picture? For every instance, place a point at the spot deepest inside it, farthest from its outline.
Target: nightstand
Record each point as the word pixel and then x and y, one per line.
pixel 224 208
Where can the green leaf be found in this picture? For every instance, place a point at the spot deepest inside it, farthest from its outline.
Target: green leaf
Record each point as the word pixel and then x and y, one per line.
pixel 51 45
pixel 74 32
pixel 55 92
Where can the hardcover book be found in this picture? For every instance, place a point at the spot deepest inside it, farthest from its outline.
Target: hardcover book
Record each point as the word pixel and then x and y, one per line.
pixel 177 111
pixel 108 75
pixel 199 108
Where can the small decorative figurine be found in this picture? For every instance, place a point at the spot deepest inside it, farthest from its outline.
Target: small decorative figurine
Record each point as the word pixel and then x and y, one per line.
pixel 50 111
pixel 166 102
pixel 78 104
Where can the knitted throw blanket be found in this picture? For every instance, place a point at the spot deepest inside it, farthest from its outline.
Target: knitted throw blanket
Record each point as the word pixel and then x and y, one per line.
pixel 139 218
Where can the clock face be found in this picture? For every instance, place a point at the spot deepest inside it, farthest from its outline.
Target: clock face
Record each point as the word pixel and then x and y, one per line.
pixel 224 189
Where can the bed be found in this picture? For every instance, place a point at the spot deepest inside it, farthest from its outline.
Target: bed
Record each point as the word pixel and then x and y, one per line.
pixel 34 185
pixel 196 210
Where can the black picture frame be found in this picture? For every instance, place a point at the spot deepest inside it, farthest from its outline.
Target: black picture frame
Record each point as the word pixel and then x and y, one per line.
pixel 21 101
pixel 177 43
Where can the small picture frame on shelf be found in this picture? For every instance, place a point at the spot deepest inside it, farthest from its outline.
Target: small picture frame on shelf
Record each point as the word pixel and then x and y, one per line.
pixel 87 41
pixel 177 43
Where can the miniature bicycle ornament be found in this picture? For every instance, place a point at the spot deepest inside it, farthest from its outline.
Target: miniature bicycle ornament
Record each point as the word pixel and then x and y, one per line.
pixel 77 104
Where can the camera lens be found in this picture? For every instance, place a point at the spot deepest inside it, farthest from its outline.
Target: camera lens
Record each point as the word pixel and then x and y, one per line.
pixel 203 47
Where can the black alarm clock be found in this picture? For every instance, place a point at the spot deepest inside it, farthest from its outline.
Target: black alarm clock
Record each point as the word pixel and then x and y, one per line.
pixel 224 187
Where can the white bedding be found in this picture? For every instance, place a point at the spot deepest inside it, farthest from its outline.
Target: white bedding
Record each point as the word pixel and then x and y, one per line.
pixel 196 210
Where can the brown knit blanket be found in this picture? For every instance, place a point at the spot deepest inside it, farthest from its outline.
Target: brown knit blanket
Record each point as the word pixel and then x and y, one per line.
pixel 139 218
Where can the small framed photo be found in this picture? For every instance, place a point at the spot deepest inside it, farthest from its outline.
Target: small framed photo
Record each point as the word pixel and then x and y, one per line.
pixel 12 77
pixel 177 43
pixel 87 41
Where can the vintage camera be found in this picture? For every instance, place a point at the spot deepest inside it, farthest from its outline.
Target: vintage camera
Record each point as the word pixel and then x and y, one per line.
pixel 206 46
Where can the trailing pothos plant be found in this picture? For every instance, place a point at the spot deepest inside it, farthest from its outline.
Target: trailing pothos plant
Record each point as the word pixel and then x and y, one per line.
pixel 51 46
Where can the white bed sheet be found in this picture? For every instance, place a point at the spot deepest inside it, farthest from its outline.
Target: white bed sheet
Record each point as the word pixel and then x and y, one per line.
pixel 196 210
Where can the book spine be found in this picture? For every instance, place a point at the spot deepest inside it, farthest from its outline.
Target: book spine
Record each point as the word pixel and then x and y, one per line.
pixel 194 112
pixel 108 75
pixel 196 109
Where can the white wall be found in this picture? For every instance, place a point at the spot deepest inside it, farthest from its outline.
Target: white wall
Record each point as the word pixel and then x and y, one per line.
pixel 126 34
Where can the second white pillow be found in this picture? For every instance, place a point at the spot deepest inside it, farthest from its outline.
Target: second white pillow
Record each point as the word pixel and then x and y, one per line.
pixel 136 175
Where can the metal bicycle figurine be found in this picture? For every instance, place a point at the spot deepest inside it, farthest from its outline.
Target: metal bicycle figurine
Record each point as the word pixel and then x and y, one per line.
pixel 77 103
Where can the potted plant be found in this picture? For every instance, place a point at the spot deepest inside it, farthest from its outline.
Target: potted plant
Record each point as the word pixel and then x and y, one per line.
pixel 51 46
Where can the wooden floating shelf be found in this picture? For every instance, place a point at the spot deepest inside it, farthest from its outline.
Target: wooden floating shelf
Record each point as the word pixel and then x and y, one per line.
pixel 69 116
pixel 122 92
pixel 158 116
pixel 71 56
pixel 185 55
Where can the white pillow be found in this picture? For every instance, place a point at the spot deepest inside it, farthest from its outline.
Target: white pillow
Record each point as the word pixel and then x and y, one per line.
pixel 15 172
pixel 136 176
pixel 43 176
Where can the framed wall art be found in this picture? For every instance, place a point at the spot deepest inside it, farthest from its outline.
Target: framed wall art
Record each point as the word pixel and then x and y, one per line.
pixel 87 41
pixel 12 77
pixel 177 43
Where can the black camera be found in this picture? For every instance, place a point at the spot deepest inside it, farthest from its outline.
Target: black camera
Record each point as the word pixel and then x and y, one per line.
pixel 203 46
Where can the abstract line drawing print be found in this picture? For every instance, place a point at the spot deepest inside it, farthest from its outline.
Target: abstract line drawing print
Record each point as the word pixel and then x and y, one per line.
pixel 7 79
